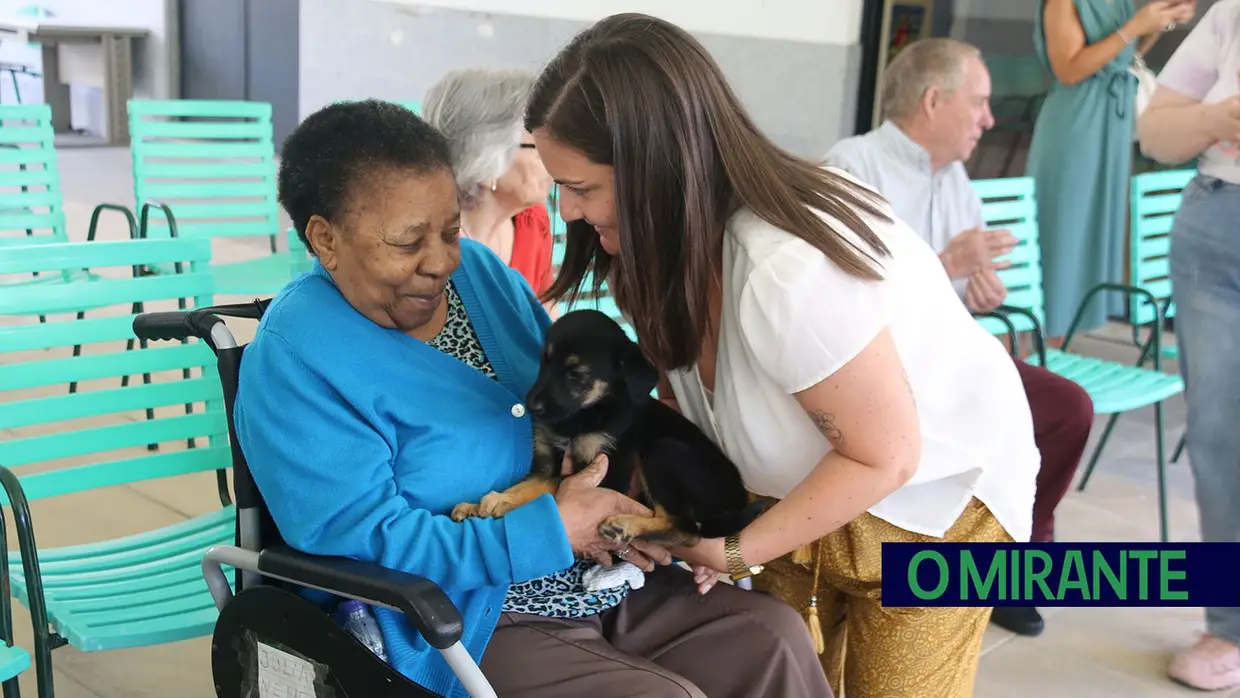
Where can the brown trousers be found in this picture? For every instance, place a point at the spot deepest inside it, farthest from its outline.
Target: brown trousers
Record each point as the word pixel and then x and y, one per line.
pixel 877 652
pixel 664 641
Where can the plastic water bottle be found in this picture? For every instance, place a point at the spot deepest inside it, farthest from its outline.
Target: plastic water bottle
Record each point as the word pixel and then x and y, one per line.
pixel 360 623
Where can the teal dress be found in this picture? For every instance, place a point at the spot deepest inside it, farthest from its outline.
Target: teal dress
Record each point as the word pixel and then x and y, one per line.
pixel 1080 158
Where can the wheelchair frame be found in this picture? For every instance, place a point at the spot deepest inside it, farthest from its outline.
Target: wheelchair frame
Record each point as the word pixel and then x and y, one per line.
pixel 426 606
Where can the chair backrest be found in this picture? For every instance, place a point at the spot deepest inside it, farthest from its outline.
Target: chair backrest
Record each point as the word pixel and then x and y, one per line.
pixel 1154 199
pixel 75 424
pixel 31 201
pixel 1011 203
pixel 211 161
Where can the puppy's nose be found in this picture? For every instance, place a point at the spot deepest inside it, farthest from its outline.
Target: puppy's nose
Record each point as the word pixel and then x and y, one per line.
pixel 537 407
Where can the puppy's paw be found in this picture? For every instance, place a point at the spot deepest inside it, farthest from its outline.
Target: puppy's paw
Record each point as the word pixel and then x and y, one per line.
pixel 463 511
pixel 621 529
pixel 495 505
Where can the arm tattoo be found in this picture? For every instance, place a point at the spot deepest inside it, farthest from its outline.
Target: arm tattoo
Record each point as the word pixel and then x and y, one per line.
pixel 825 421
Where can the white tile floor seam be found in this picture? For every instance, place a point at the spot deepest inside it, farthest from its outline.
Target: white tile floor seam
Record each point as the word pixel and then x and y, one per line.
pixel 1084 652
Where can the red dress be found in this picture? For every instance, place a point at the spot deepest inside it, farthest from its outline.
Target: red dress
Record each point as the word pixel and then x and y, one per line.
pixel 531 247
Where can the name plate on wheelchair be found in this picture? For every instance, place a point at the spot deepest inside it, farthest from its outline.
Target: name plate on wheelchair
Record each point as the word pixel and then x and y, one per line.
pixel 285 675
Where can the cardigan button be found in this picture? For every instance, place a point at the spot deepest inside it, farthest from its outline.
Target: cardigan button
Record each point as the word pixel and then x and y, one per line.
pixel 518 410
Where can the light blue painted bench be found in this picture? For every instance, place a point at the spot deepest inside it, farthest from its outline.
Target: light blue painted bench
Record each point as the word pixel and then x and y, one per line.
pixel 139 590
pixel 206 169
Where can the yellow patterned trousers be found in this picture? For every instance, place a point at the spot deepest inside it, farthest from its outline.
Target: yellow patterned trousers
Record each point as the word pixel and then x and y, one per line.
pixel 876 652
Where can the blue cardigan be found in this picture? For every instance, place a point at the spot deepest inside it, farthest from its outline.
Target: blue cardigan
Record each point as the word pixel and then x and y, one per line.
pixel 362 439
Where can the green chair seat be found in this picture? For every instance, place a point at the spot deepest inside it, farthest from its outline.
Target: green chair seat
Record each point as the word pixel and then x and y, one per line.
pixel 262 276
pixel 13 661
pixel 141 590
pixel 1114 387
pixel 259 276
pixel 138 590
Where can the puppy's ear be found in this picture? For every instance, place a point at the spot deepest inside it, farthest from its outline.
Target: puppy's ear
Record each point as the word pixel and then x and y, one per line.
pixel 640 378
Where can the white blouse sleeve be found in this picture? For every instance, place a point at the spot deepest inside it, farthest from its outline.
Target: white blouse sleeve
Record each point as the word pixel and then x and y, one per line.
pixel 804 318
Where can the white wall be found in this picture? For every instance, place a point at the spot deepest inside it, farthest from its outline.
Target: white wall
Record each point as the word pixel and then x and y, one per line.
pixel 815 21
pixel 155 58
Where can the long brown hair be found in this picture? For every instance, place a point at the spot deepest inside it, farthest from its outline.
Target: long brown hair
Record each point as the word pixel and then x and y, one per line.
pixel 643 96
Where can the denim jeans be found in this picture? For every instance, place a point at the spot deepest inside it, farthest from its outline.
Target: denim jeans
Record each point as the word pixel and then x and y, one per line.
pixel 1205 278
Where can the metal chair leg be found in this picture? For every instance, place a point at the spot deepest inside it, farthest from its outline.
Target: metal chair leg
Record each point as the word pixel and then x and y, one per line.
pixel 1093 460
pixel 1179 449
pixel 1162 472
pixel 77 351
pixel 17 91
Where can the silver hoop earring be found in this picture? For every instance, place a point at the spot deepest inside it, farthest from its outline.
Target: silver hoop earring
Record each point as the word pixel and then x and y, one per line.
pixel 494 183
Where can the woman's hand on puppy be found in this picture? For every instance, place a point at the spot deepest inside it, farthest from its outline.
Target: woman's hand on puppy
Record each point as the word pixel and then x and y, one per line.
pixel 707 560
pixel 584 505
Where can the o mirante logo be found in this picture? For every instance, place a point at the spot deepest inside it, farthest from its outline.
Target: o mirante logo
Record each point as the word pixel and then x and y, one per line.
pixel 1061 574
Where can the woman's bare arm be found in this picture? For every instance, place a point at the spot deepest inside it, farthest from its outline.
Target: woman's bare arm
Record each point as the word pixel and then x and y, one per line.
pixel 1143 48
pixel 866 411
pixel 1175 128
pixel 1072 59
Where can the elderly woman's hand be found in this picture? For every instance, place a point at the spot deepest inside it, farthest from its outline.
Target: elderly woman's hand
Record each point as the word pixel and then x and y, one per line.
pixel 584 505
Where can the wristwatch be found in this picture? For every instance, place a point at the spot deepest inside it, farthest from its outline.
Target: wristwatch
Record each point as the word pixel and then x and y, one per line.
pixel 737 569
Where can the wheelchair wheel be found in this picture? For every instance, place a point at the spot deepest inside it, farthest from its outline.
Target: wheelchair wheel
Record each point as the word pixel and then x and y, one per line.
pixel 266 635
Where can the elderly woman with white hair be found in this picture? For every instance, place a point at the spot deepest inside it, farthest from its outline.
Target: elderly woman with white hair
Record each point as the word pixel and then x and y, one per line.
pixel 500 180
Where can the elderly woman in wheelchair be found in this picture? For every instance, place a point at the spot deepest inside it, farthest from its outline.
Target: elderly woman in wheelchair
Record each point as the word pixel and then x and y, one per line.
pixel 386 386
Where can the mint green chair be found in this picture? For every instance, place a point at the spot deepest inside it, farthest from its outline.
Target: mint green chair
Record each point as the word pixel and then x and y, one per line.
pixel 32 207
pixel 1154 199
pixel 138 590
pixel 1114 387
pixel 206 169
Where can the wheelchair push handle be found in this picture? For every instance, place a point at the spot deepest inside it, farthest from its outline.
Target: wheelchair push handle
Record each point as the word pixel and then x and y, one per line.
pixel 203 323
pixel 168 326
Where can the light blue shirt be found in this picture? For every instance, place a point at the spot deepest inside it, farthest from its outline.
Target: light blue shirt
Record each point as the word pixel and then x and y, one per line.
pixel 937 204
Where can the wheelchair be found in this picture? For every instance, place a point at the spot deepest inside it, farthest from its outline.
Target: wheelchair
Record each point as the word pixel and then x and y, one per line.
pixel 270 639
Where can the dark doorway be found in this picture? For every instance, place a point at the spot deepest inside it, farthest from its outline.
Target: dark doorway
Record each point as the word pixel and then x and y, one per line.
pixel 243 49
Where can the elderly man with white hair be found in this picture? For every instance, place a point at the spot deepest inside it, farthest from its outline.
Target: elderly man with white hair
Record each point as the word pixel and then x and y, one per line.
pixel 936 104
pixel 500 180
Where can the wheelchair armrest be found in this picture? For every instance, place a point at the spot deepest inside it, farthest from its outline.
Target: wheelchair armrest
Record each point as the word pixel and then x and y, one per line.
pixel 426 606
pixel 421 600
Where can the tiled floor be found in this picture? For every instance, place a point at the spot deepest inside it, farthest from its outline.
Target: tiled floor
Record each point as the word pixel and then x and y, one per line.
pixel 1096 653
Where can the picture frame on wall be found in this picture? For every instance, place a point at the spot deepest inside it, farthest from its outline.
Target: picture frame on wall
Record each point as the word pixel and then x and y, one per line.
pixel 903 22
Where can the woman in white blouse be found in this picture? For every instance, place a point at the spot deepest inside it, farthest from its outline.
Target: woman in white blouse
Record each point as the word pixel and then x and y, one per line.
pixel 817 339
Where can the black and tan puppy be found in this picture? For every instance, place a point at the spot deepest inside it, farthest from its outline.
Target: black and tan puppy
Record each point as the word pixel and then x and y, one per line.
pixel 592 396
